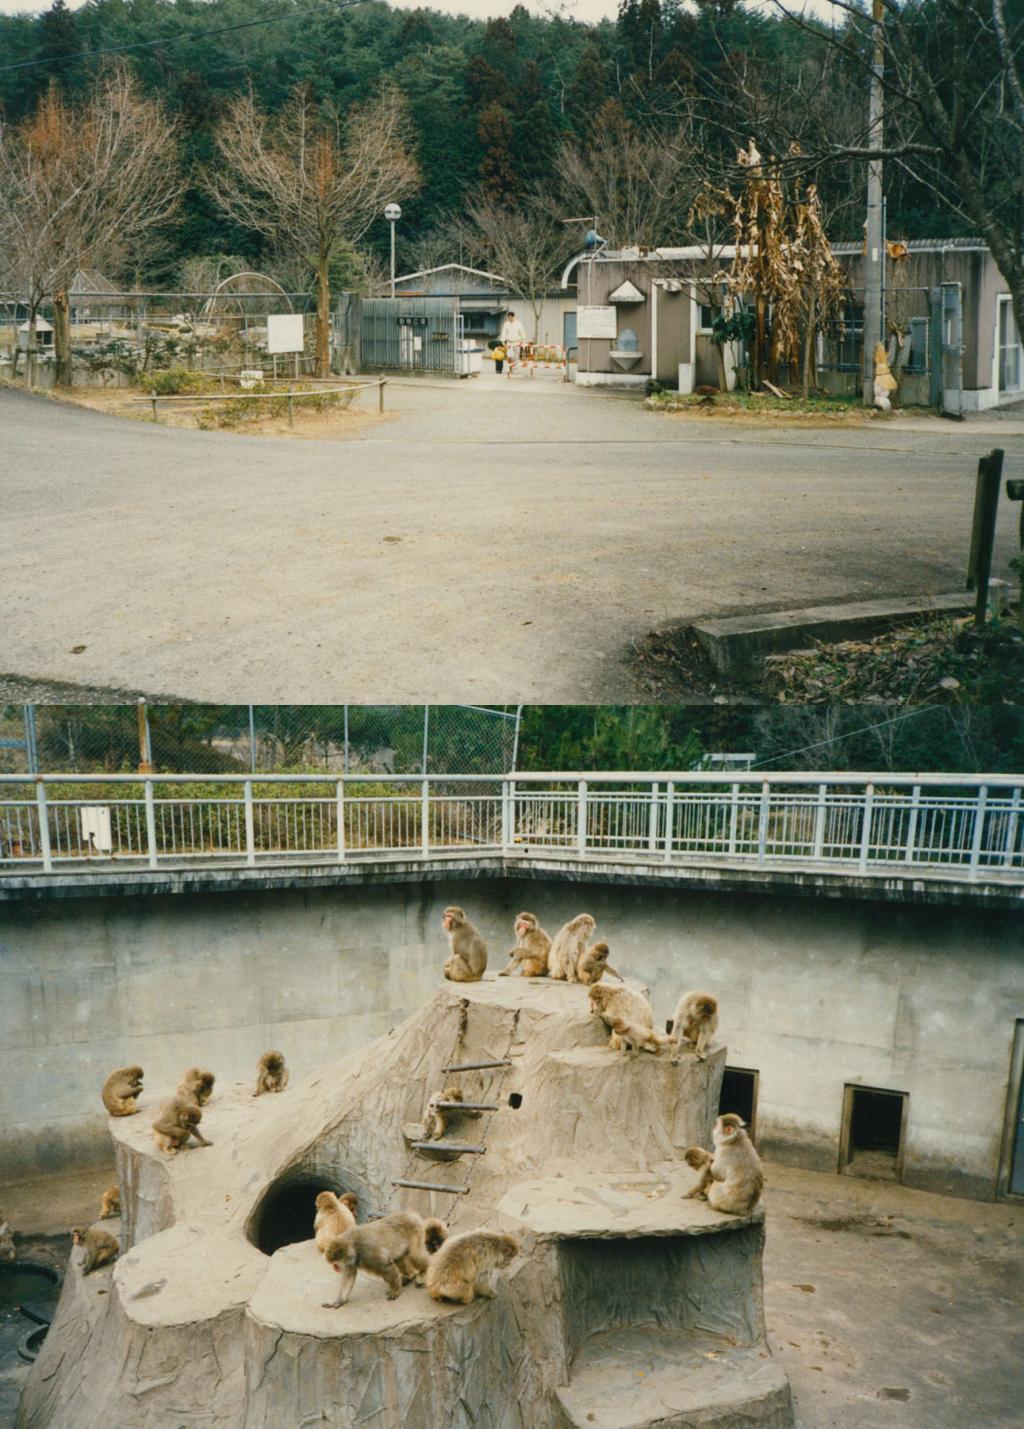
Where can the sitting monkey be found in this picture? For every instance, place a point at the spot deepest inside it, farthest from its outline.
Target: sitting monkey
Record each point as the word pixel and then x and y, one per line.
pixel 620 1004
pixel 466 1266
pixel 196 1086
pixel 397 1248
pixel 110 1203
pixel 731 1179
pixel 569 942
pixel 99 1247
pixel 334 1216
pixel 593 964
pixel 437 1119
pixel 635 1038
pixel 178 1120
pixel 271 1074
pixel 696 1022
pixel 530 954
pixel 121 1091
pixel 468 957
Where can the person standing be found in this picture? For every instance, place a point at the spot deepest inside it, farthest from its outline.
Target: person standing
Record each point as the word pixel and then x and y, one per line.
pixel 512 338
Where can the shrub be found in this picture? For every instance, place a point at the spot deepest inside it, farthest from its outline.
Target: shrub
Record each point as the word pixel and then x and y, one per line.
pixel 178 382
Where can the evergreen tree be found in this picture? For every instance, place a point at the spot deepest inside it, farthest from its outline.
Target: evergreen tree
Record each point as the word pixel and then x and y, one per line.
pixel 497 167
pixel 58 43
pixel 588 89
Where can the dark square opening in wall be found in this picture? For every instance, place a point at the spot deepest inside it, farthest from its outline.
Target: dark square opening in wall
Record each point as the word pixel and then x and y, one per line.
pixel 739 1095
pixel 874 1126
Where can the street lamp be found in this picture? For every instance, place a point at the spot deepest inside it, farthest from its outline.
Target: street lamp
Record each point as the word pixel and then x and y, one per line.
pixel 392 213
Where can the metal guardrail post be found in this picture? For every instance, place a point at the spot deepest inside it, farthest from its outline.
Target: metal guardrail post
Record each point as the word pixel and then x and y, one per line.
pixel 425 817
pixel 339 814
pixel 979 831
pixel 652 820
pixel 147 791
pixel 819 822
pixel 43 815
pixel 734 816
pixel 670 819
pixel 865 828
pixel 250 825
pixel 915 807
pixel 508 804
pixel 581 817
pixel 1012 824
pixel 762 822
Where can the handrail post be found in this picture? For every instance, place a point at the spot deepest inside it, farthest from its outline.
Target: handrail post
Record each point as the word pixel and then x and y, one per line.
pixel 1011 829
pixel 865 828
pixel 581 817
pixel 652 819
pixel 819 823
pixel 339 815
pixel 507 814
pixel 734 817
pixel 762 823
pixel 147 791
pixel 425 817
pixel 250 825
pixel 915 807
pixel 979 831
pixel 43 816
pixel 670 819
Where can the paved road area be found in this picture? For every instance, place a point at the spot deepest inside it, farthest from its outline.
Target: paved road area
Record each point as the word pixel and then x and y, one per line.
pixel 486 541
pixel 888 1308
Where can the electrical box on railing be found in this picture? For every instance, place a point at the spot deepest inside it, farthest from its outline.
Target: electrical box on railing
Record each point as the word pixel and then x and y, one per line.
pixel 96 831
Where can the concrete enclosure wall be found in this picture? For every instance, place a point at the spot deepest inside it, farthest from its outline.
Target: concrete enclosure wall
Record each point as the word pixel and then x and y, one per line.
pixel 815 994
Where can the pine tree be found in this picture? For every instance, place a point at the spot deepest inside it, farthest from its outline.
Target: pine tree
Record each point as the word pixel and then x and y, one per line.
pixel 497 167
pixel 587 90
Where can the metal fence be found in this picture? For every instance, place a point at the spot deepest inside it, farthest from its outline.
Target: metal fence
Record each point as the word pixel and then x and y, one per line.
pixel 259 739
pixel 411 334
pixel 964 827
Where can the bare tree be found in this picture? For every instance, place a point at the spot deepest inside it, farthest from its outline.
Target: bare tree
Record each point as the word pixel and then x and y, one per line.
pixel 310 178
pixel 77 182
pixel 524 243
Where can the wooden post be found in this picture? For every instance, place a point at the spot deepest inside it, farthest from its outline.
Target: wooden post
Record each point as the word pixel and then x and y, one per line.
pixel 380 388
pixel 983 530
pixel 154 410
pixel 291 412
pixel 1015 492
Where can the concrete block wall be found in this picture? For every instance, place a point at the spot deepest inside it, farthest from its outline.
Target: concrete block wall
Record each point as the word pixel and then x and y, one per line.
pixel 814 993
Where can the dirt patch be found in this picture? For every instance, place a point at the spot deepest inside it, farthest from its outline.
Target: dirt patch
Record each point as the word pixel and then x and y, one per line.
pixel 670 664
pixel 753 409
pixel 856 1225
pixel 333 423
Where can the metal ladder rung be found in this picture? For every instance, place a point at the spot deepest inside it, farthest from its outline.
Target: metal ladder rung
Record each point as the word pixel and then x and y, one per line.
pixel 477 1066
pixel 464 1148
pixel 466 1106
pixel 432 1186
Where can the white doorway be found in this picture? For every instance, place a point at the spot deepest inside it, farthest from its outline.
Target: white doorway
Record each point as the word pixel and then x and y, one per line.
pixel 1008 348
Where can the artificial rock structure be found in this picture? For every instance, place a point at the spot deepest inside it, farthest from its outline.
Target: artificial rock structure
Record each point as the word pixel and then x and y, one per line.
pixel 628 1307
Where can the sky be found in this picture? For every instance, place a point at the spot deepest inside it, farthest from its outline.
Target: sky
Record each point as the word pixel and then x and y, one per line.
pixel 577 9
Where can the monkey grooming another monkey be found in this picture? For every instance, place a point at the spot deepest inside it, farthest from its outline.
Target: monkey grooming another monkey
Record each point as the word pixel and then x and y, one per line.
pixel 196 1086
pixel 121 1091
pixel 569 943
pixel 100 1248
pixel 466 1266
pixel 634 1038
pixel 730 1180
pixel 530 954
pixel 468 957
pixel 620 1004
pixel 334 1216
pixel 696 1022
pixel 271 1074
pixel 397 1248
pixel 110 1203
pixel 593 964
pixel 178 1120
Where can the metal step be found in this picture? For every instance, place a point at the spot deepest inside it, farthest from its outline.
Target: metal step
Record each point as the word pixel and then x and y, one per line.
pixel 432 1186
pixel 462 1148
pixel 466 1106
pixel 477 1066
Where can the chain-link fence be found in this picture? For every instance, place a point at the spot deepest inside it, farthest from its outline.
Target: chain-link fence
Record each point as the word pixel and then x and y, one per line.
pixel 264 739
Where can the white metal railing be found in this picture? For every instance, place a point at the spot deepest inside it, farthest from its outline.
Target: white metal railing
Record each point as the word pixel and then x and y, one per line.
pixel 969 827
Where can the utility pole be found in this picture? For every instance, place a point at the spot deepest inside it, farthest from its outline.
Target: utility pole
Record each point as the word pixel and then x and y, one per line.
pixel 874 258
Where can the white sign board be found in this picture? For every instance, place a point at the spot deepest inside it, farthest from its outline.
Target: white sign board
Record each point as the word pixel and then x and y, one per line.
pixel 595 322
pixel 284 332
pixel 250 376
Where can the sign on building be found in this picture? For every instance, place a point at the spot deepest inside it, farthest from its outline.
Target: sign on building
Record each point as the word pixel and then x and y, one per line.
pixel 595 322
pixel 284 332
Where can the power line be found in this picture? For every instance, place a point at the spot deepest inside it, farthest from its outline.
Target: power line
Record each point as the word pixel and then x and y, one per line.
pixel 181 36
pixel 849 734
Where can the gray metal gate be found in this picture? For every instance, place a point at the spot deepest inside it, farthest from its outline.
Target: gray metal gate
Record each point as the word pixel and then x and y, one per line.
pixel 947 381
pixel 411 334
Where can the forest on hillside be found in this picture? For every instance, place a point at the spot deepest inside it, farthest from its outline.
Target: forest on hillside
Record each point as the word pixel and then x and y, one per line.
pixel 493 106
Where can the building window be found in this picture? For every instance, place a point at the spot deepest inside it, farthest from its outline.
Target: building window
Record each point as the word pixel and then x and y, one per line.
pixel 739 1095
pixel 1009 348
pixel 917 353
pixel 707 317
pixel 874 1127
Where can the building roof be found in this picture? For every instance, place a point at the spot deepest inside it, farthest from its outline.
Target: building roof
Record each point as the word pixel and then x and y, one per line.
pixel 92 282
pixel 919 245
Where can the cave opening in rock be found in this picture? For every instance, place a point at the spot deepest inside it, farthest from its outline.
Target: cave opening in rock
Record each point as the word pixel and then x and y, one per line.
pixel 286 1214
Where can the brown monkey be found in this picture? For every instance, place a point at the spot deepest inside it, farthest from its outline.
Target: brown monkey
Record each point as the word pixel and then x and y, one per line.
pixel 619 1004
pixel 570 941
pixel 696 1021
pixel 436 1120
pixel 731 1179
pixel 7 1250
pixel 100 1248
pixel 121 1091
pixel 397 1248
pixel 334 1216
pixel 466 1266
pixel 530 953
pixel 110 1203
pixel 468 957
pixel 593 963
pixel 196 1086
pixel 271 1074
pixel 178 1120
pixel 635 1038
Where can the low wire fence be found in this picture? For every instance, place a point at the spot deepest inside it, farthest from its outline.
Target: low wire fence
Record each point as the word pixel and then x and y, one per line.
pixel 966 827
